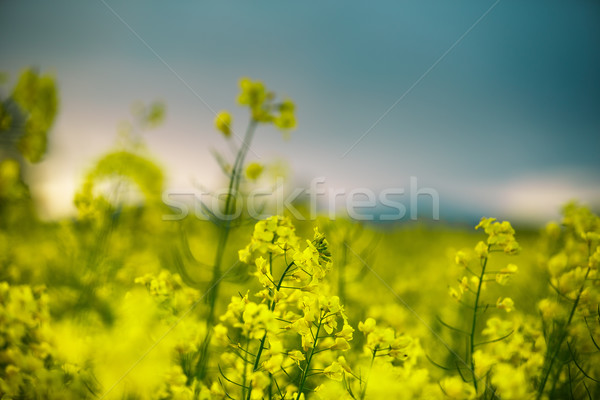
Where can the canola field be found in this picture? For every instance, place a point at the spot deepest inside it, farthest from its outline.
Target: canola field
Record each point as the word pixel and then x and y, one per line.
pixel 120 303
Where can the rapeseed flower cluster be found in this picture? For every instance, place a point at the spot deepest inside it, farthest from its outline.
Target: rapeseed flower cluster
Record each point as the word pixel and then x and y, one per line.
pixel 263 108
pixel 571 313
pixel 28 360
pixel 169 291
pixel 471 293
pixel 294 312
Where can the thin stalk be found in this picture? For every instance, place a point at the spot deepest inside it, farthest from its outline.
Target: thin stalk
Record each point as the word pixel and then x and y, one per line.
pixel 234 182
pixel 312 353
pixel 213 286
pixel 474 324
pixel 342 273
pixel 272 308
pixel 364 390
pixel 230 204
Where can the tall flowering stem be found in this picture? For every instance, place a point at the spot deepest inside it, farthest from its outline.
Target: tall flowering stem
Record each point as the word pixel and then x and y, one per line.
pixel 263 110
pixel 474 323
pixel 228 212
pixel 500 239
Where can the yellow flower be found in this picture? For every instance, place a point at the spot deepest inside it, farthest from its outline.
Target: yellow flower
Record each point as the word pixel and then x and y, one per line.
pixel 346 332
pixel 340 344
pixel 481 249
pixel 592 236
pixel 475 282
pixel 571 281
pixel 455 294
pixel 220 332
pixel 273 235
pixel 258 320
pixel 244 255
pixel 286 118
pixel 483 362
pixel 485 223
pixel 235 308
pixel 344 364
pixel 260 381
pixel 510 382
pixel 367 326
pixel 253 94
pixel 254 170
pixel 505 273
pixel 263 273
pixel 275 354
pixel 506 304
pixel 550 309
pixel 455 388
pixel 302 327
pixel 463 285
pixel 400 346
pixel 512 247
pixel 223 122
pixel 497 327
pixel 500 234
pixel 296 356
pixel 462 258
pixel 331 304
pixel 334 371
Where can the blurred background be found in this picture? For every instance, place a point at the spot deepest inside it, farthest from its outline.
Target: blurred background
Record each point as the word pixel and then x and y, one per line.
pixel 493 104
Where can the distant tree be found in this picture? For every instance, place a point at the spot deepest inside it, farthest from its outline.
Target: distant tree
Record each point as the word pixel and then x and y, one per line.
pixel 26 116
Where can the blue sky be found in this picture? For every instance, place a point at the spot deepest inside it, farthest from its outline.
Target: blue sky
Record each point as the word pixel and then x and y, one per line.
pixel 507 122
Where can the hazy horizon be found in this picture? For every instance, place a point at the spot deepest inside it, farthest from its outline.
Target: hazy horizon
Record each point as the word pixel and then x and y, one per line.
pixel 492 104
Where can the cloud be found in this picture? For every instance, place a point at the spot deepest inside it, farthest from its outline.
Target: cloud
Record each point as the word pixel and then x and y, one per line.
pixel 534 197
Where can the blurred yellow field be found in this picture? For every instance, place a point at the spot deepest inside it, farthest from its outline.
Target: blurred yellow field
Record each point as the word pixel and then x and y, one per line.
pixel 135 298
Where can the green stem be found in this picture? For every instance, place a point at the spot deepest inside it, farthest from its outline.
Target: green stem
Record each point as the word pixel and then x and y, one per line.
pixel 342 273
pixel 230 204
pixel 312 353
pixel 234 183
pixel 272 308
pixel 474 324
